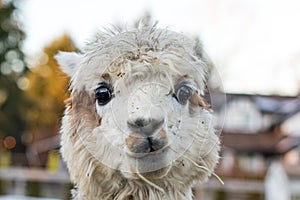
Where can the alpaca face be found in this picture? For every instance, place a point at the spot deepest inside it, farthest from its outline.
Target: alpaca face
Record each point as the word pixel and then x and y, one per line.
pixel 149 116
pixel 136 107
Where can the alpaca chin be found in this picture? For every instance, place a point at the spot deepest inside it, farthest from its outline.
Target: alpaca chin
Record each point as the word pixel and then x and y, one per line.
pixel 158 174
pixel 153 164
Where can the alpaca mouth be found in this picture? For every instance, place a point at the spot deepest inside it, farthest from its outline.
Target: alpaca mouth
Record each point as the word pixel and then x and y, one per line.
pixel 152 153
pixel 141 145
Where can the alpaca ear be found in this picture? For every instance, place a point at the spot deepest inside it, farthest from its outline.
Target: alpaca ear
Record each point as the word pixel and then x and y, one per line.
pixel 68 61
pixel 200 53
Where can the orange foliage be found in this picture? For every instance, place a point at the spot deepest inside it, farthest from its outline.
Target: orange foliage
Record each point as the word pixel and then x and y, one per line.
pixel 47 87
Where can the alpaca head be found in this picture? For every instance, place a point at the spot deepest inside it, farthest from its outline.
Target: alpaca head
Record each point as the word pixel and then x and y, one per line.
pixel 136 107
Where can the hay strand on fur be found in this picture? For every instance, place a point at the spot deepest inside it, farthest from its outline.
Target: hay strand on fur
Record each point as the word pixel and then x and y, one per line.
pixel 204 168
pixel 165 195
pixel 201 167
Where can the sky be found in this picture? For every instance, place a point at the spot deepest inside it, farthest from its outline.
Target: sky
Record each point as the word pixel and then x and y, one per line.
pixel 254 44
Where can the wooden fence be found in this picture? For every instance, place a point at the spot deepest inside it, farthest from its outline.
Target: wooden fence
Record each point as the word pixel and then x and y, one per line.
pixel 274 185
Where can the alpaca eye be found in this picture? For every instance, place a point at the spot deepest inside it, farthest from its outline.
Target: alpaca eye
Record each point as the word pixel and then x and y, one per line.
pixel 103 95
pixel 183 94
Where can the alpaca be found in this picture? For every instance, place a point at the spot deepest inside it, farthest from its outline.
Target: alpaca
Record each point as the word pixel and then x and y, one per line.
pixel 136 125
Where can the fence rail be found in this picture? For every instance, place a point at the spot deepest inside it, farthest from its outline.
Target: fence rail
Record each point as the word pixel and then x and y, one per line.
pixel 32 174
pixel 21 176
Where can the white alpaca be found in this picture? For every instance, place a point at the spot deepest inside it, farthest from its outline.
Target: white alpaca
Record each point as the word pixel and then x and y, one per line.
pixel 136 126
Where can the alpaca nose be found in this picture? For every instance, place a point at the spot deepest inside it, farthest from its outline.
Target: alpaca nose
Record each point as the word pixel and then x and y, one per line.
pixel 145 126
pixel 147 135
pixel 142 122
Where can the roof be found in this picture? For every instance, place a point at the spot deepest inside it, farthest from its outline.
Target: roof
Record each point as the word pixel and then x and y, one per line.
pixel 276 108
pixel 271 111
pixel 266 144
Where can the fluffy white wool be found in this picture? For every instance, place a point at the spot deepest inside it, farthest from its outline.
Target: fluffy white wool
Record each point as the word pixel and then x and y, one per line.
pixel 144 67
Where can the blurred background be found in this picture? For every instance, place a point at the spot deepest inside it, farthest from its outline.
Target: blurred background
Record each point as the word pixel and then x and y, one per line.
pixel 254 45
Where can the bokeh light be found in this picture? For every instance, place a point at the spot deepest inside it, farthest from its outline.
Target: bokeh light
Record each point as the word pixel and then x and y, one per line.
pixel 9 142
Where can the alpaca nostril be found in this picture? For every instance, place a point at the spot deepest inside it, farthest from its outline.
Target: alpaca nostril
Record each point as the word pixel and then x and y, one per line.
pixel 138 123
pixel 145 123
pixel 141 122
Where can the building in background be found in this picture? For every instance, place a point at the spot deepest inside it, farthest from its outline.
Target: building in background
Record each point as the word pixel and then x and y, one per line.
pixel 260 142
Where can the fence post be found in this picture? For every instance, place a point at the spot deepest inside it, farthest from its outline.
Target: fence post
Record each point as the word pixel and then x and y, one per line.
pixel 276 183
pixel 5 159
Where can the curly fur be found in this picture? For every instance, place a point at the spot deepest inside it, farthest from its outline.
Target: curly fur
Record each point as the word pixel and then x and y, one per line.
pixel 143 66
